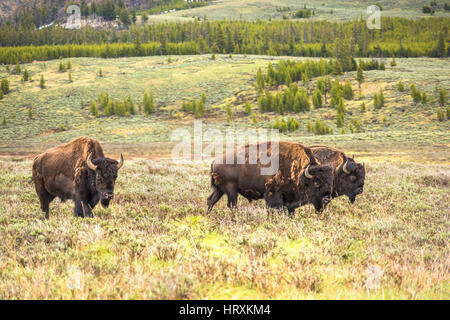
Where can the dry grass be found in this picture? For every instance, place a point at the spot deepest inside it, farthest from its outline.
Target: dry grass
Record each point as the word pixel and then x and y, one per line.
pixel 156 242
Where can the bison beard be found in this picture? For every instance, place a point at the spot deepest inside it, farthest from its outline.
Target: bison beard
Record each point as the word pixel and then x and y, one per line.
pixel 299 180
pixel 76 170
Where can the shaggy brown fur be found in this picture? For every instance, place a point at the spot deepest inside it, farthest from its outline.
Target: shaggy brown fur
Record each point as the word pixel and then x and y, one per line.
pixel 288 187
pixel 62 172
pixel 349 184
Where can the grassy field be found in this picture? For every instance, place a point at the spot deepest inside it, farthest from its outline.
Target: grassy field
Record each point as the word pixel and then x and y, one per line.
pixel 266 9
pixel 155 241
pixel 61 110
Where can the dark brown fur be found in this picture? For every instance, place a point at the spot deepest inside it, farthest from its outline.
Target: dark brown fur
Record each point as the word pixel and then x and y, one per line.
pixel 288 187
pixel 62 172
pixel 350 184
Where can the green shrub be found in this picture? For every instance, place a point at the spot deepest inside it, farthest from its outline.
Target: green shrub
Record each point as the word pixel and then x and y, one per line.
pixel 415 93
pixel 443 97
pixel 348 91
pixel 400 86
pixel 4 85
pixel 94 109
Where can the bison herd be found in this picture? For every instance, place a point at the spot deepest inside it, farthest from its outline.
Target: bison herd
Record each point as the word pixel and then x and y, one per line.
pixel 79 170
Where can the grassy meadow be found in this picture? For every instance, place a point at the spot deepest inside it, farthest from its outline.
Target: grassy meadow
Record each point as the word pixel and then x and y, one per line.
pixel 155 241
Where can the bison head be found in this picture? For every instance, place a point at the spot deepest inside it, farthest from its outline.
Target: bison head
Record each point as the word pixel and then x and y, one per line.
pixel 105 171
pixel 350 179
pixel 318 183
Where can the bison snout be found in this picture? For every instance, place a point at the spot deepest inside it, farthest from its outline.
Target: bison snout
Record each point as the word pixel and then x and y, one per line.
pixel 108 196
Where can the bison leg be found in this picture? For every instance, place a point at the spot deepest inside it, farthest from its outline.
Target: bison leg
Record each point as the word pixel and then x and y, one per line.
pixel 83 209
pixel 213 198
pixel 44 197
pixel 231 191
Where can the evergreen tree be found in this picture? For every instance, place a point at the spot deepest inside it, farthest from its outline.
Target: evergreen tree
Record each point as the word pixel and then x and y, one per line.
pixel 248 107
pixel 17 69
pixel 359 76
pixel 415 93
pixel 442 96
pixel 260 82
pixel 400 86
pixel 26 75
pixel 4 85
pixel 317 98
pixel 440 49
pixel 149 104
pixel 94 109
pixel 42 82
pixel 348 91
pixel 70 77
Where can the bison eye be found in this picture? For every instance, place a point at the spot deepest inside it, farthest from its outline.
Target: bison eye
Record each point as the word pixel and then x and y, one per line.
pixel 352 178
pixel 316 184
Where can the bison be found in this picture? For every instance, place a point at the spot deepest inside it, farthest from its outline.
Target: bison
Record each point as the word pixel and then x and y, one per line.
pixel 349 175
pixel 76 170
pixel 299 180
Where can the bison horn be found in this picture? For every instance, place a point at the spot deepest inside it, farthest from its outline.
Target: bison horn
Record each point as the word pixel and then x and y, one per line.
pixel 90 164
pixel 344 168
pixel 307 174
pixel 120 163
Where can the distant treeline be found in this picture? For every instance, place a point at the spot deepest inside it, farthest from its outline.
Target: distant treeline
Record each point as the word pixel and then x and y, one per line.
pixel 398 37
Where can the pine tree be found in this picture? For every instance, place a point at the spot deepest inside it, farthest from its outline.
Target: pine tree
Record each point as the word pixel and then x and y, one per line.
pixel 5 86
pixel 400 86
pixel 4 121
pixel 260 82
pixel 1 94
pixel 30 114
pixel 440 49
pixel 26 76
pixel 61 67
pixel 317 98
pixel 70 77
pixel 360 76
pixel 248 107
pixel 363 107
pixel 424 98
pixel 94 109
pixel 442 96
pixel 149 104
pixel 17 70
pixel 100 73
pixel 415 93
pixel 130 105
pixel 393 63
pixel 69 65
pixel 42 82
pixel 348 91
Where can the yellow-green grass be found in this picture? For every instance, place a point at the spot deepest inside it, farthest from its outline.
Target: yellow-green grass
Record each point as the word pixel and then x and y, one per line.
pixel 155 241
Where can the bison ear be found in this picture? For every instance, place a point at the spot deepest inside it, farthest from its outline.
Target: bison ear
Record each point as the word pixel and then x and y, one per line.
pixel 120 163
pixel 90 164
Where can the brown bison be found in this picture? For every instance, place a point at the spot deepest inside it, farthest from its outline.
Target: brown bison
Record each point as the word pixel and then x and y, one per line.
pixel 349 175
pixel 77 170
pixel 299 179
